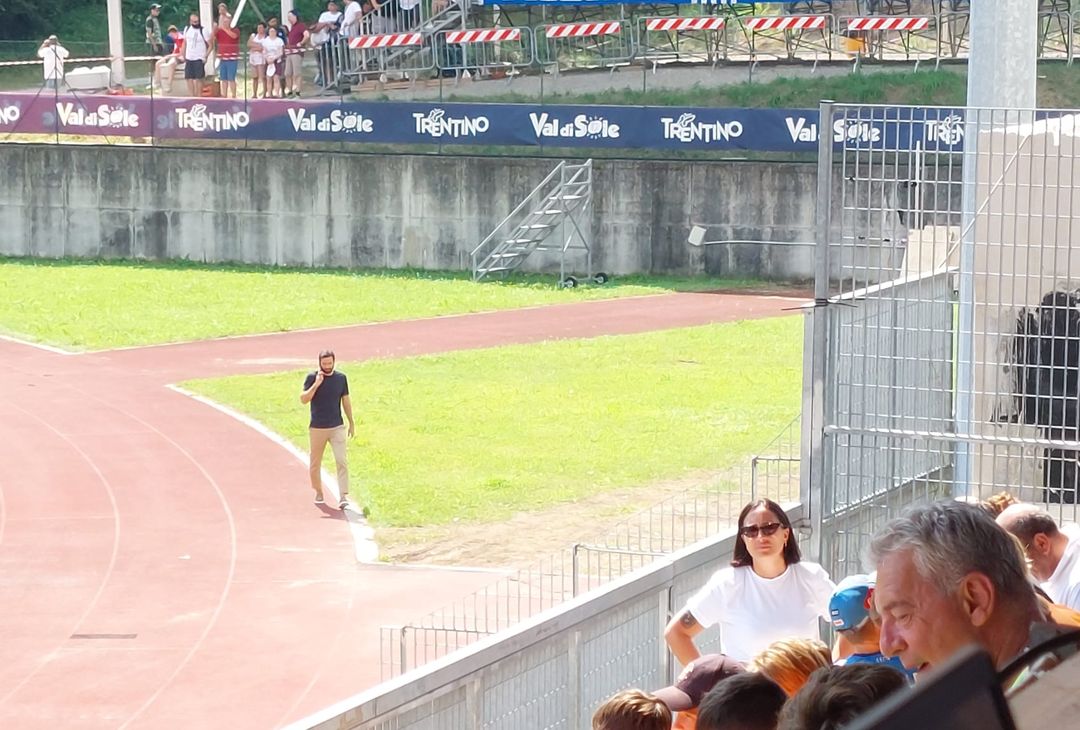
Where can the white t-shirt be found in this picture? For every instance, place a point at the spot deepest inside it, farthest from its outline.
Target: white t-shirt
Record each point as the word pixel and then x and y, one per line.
pixel 350 24
pixel 273 48
pixel 196 43
pixel 323 36
pixel 753 612
pixel 1063 586
pixel 52 61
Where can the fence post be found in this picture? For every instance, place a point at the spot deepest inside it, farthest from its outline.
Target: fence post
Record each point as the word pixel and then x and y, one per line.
pixel 813 478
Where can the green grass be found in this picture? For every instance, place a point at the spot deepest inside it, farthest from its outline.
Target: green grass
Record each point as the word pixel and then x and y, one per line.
pixel 94 305
pixel 480 435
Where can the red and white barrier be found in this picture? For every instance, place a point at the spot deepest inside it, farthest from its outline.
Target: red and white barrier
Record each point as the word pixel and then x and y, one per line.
pixel 788 22
pixel 387 40
pixel 663 24
pixel 582 30
pixel 483 35
pixel 888 23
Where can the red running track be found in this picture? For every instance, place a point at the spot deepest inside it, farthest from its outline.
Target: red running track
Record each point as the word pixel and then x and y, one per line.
pixel 161 564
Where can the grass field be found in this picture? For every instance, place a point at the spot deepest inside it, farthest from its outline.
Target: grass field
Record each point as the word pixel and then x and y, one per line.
pixel 94 305
pixel 480 435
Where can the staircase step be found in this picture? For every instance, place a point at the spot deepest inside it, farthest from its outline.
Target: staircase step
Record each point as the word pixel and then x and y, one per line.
pixel 535 226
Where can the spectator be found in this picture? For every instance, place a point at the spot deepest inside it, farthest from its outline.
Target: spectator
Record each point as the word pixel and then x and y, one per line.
pixel 409 15
pixel 767 593
pixel 257 60
pixel 196 49
pixel 273 52
pixel 834 697
pixel 166 66
pixel 997 503
pixel 632 709
pixel 851 609
pixel 52 56
pixel 154 39
pixel 297 39
pixel 279 66
pixel 700 676
pixel 226 43
pixel 948 576
pixel 324 34
pixel 379 17
pixel 790 662
pixel 747 701
pixel 1054 556
pixel 350 21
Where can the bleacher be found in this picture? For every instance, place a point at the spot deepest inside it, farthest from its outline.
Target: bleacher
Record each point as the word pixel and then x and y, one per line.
pixel 483 39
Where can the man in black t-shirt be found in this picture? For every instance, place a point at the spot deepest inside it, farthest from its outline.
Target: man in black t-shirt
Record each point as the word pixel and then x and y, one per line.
pixel 328 393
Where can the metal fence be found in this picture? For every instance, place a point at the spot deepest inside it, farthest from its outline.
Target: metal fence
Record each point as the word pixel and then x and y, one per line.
pixel 668 526
pixel 550 671
pixel 946 359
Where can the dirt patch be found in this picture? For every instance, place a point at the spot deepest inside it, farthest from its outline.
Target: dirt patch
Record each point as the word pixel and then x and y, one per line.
pixel 693 507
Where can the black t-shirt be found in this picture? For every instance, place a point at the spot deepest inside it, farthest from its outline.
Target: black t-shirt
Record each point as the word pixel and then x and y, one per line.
pixel 326 403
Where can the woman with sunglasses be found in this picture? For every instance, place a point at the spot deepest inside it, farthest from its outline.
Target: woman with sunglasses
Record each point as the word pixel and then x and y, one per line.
pixel 768 592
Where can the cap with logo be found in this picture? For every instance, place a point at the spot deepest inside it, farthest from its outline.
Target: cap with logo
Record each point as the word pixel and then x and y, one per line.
pixel 849 606
pixel 155 6
pixel 696 679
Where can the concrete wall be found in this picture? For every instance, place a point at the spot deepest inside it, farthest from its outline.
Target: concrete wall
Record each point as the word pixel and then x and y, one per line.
pixel 322 209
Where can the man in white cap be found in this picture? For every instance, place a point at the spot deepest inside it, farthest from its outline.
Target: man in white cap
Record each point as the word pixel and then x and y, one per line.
pixel 851 610
pixel 52 56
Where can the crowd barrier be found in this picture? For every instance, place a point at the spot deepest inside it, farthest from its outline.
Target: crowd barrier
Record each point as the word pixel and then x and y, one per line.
pixel 26 117
pixel 730 37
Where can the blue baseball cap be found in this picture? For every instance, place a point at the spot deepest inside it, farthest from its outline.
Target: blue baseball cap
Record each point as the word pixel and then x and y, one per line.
pixel 849 606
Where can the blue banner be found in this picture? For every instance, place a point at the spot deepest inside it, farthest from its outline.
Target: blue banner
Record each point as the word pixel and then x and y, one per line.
pixel 502 125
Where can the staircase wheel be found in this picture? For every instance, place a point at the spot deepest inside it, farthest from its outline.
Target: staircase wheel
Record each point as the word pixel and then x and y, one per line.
pixel 601 278
pixel 569 283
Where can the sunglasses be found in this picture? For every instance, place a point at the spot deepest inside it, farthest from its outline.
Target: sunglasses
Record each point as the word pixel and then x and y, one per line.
pixel 752 531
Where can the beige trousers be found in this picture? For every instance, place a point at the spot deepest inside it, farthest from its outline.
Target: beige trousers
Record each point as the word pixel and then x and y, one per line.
pixel 336 438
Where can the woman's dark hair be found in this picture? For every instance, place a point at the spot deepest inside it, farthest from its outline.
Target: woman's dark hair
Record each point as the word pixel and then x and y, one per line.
pixel 295 15
pixel 741 556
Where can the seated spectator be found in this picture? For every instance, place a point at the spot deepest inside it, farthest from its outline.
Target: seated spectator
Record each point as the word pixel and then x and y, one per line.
pixel 834 697
pixel 1054 556
pixel 746 701
pixel 632 709
pixel 857 623
pixel 696 679
pixel 948 576
pixel 790 662
pixel 165 67
pixel 767 593
pixel 995 504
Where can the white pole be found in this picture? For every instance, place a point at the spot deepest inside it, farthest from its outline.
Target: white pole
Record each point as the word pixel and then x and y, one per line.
pixel 1002 73
pixel 236 13
pixel 206 20
pixel 286 7
pixel 116 41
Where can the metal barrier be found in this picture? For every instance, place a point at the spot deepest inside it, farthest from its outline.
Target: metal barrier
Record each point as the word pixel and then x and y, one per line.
pixel 1056 34
pixel 551 671
pixel 946 336
pixel 681 39
pixel 681 520
pixel 891 38
pixel 786 37
pixel 567 46
pixel 384 53
pixel 485 52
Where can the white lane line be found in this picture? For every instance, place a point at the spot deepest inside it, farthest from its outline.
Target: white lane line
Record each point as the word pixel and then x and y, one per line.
pixel 365 547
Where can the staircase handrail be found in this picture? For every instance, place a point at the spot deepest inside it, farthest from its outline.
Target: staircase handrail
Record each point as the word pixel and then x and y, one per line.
pixel 526 202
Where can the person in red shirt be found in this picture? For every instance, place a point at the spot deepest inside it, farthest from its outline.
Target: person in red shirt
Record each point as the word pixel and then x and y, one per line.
pixel 226 42
pixel 297 39
pixel 165 67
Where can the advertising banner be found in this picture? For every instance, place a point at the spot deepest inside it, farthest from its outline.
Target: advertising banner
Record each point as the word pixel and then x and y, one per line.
pixel 504 125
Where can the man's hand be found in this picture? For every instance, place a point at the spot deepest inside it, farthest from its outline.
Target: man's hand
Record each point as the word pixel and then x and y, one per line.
pixel 352 429
pixel 319 378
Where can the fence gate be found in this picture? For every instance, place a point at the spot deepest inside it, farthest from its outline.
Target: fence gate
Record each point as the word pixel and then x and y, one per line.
pixel 943 353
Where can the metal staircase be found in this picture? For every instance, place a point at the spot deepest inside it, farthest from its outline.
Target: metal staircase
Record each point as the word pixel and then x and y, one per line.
pixel 561 202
